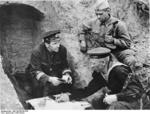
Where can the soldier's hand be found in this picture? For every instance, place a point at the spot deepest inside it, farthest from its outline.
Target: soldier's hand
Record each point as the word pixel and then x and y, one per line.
pixel 109 39
pixel 54 81
pixel 109 99
pixel 67 78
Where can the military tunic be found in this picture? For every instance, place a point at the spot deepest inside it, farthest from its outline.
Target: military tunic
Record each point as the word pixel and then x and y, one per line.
pixel 94 35
pixel 49 63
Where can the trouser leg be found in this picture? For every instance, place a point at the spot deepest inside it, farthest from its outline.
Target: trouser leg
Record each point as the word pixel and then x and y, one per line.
pixel 37 88
pixel 49 89
pixel 122 105
pixel 127 57
pixel 119 105
pixel 40 89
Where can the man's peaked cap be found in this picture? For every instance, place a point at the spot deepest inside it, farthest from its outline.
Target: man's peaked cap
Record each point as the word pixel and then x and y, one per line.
pixel 50 33
pixel 99 52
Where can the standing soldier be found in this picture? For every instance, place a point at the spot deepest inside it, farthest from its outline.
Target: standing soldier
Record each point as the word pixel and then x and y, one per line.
pixel 49 66
pixel 107 31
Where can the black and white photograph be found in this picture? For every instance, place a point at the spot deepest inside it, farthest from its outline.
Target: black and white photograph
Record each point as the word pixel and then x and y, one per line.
pixel 74 55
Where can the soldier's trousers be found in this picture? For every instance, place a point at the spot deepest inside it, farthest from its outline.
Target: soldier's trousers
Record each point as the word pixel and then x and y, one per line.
pixel 41 90
pixel 121 105
pixel 127 57
pixel 49 89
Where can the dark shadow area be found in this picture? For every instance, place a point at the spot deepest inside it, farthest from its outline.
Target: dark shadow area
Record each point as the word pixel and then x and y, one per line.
pixel 20 26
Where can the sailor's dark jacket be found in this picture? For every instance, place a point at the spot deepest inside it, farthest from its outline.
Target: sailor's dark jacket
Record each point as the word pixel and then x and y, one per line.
pixel 118 83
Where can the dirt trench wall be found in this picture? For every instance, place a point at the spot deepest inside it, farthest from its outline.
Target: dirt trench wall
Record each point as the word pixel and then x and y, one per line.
pixel 8 97
pixel 19 29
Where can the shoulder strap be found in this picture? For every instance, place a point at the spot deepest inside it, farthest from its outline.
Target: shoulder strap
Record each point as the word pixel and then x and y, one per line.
pixel 114 27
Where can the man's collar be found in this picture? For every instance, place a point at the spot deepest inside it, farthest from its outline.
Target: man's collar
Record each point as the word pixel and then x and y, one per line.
pixel 106 21
pixel 109 21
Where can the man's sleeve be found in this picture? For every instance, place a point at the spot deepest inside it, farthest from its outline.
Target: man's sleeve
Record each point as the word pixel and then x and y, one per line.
pixel 96 84
pixel 123 39
pixel 84 28
pixel 121 74
pixel 36 67
pixel 132 91
pixel 65 65
pixel 35 62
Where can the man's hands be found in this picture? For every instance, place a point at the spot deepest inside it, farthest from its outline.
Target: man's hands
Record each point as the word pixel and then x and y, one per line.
pixel 54 81
pixel 67 78
pixel 109 99
pixel 109 39
pixel 109 42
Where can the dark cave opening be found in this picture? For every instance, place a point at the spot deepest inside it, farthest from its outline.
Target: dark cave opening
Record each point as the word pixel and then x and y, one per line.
pixel 20 27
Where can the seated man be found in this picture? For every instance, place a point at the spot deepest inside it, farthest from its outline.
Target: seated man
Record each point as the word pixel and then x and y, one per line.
pixel 49 66
pixel 107 31
pixel 108 72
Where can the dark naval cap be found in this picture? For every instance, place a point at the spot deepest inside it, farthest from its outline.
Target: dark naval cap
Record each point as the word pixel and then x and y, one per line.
pixel 100 52
pixel 48 36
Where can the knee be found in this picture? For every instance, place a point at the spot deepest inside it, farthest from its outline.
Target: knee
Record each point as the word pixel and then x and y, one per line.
pixel 127 57
pixel 129 60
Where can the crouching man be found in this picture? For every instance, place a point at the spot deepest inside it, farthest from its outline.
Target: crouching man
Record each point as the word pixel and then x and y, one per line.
pixel 123 91
pixel 49 66
pixel 104 30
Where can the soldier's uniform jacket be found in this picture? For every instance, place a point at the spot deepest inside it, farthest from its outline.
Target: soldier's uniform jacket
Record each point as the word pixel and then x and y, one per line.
pixel 49 63
pixel 118 75
pixel 95 31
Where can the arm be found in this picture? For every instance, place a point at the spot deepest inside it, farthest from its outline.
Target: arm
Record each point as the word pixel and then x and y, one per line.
pixel 37 72
pixel 117 78
pixel 123 39
pixel 85 28
pixel 97 83
pixel 132 91
pixel 65 65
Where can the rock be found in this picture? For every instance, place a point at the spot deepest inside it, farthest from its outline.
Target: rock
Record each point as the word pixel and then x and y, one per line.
pixel 8 96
